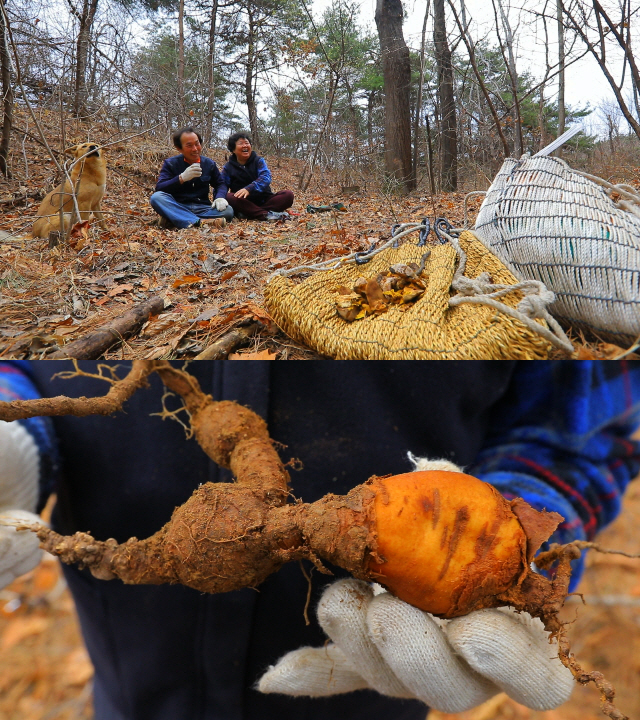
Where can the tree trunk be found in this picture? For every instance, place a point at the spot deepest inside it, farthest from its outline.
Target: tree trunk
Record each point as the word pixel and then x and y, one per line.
pixel 449 139
pixel 561 84
pixel 85 19
pixel 183 110
pixel 249 84
pixel 7 94
pixel 370 100
pixel 211 59
pixel 396 70
pixel 418 117
pixel 542 121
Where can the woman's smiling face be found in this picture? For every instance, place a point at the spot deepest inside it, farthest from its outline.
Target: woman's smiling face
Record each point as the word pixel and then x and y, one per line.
pixel 242 150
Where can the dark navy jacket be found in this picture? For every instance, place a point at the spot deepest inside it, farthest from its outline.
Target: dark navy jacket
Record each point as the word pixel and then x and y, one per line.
pixel 192 191
pixel 254 175
pixel 556 432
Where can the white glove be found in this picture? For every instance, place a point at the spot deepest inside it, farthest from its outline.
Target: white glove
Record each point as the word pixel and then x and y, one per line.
pixel 19 478
pixel 193 171
pixel 382 643
pixel 220 204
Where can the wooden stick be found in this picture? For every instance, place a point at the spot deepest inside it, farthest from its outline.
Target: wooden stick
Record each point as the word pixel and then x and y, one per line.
pixel 93 345
pixel 220 349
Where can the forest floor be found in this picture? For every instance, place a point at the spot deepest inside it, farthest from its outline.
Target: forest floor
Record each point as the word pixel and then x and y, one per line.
pixel 46 673
pixel 211 280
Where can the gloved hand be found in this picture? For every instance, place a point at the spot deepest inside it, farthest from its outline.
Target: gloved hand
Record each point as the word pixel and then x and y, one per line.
pixel 19 474
pixel 220 204
pixel 193 171
pixel 382 643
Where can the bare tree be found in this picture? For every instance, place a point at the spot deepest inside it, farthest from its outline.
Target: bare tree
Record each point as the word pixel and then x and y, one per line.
pixel 446 100
pixel 510 64
pixel 181 59
pixel 471 50
pixel 7 92
pixel 396 69
pixel 418 116
pixel 211 77
pixel 85 17
pixel 561 68
pixel 596 28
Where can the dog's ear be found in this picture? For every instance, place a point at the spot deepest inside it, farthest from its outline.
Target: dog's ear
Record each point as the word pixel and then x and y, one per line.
pixel 71 150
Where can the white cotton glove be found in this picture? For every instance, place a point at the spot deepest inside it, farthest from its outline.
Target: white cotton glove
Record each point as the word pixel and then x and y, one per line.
pixel 19 478
pixel 193 171
pixel 382 643
pixel 220 204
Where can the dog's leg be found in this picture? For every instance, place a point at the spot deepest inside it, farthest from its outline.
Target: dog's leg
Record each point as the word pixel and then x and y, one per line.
pixel 97 213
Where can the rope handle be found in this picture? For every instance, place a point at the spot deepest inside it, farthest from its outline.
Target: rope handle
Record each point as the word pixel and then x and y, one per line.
pixel 481 291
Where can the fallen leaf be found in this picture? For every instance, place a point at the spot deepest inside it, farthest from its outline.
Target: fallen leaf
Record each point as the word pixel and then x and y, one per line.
pixel 125 287
pixel 187 280
pixel 80 229
pixel 261 355
pixel 207 314
pixel 78 669
pixel 21 628
pixel 228 275
pixel 157 353
pixel 62 331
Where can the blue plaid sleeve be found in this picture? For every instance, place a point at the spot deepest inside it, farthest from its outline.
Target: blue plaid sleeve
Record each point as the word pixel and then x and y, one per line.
pixel 562 439
pixel 15 384
pixel 261 183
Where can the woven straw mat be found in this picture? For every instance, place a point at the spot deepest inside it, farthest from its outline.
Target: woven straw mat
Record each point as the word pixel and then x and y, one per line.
pixel 546 222
pixel 424 330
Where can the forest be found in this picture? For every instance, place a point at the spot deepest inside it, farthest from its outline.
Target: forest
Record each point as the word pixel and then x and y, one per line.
pixel 390 122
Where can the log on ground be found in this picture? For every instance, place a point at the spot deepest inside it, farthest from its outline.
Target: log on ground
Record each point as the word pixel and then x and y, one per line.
pixel 234 339
pixel 93 345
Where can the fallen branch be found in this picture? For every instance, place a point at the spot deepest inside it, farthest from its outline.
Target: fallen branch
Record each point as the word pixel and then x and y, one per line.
pixel 19 199
pixel 234 339
pixel 93 345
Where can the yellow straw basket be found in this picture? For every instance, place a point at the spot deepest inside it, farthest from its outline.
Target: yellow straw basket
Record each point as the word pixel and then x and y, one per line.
pixel 430 328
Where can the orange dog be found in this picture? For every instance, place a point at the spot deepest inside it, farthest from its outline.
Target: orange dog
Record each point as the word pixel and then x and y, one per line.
pixel 92 172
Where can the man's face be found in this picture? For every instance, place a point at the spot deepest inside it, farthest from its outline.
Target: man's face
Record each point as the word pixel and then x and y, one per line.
pixel 191 147
pixel 243 149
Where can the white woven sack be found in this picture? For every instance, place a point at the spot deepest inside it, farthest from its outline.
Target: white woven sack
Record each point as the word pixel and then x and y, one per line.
pixel 547 222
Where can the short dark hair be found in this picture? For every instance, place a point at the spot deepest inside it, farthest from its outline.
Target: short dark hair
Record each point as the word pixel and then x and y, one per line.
pixel 231 142
pixel 180 132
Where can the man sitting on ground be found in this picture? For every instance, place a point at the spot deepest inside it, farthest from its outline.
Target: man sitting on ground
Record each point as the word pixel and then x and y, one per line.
pixel 248 179
pixel 182 191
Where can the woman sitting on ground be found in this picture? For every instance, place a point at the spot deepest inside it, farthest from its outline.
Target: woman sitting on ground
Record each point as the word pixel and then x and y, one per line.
pixel 248 179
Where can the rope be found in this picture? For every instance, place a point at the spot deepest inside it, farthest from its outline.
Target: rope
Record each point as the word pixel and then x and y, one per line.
pixel 466 197
pixel 481 291
pixel 631 202
pixel 356 257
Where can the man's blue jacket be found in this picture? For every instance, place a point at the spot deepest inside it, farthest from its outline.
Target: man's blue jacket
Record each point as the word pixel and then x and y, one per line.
pixel 192 191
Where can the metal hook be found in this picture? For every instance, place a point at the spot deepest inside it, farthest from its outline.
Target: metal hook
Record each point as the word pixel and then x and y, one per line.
pixel 442 225
pixel 394 229
pixel 360 258
pixel 424 232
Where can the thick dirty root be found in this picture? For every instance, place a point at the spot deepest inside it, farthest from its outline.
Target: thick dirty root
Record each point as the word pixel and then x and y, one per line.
pixel 106 559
